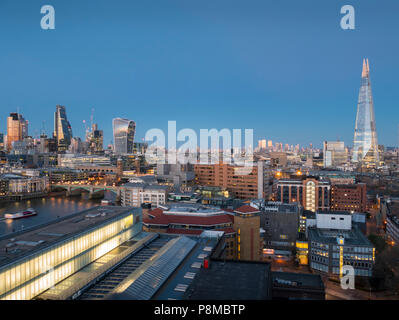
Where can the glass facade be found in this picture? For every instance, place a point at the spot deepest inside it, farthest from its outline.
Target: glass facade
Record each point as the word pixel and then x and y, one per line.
pixel 62 129
pixel 124 131
pixel 365 145
pixel 31 275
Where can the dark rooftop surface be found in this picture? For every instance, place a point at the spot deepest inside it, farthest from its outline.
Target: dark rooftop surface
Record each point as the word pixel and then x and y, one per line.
pixel 20 244
pixel 297 280
pixel 231 280
pixel 343 213
pixel 352 237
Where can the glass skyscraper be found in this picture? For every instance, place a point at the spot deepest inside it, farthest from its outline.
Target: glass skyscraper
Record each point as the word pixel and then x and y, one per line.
pixel 62 129
pixel 365 145
pixel 17 129
pixel 124 131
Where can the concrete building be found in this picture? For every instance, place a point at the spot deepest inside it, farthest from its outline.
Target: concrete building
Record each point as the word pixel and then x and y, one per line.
pixel 137 194
pixel 281 223
pixel 176 174
pixel 278 159
pixel 334 243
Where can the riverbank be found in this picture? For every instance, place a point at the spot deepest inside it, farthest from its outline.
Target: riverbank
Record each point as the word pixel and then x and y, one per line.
pixel 21 197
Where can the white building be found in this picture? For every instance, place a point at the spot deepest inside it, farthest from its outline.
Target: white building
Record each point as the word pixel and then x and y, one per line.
pixel 334 220
pixel 22 185
pixel 136 194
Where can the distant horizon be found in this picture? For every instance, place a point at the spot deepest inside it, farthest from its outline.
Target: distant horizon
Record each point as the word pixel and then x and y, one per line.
pixel 286 70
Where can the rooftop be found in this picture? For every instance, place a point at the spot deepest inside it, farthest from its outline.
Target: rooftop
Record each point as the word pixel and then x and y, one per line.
pixel 280 207
pixel 231 280
pixel 159 216
pixel 343 213
pixel 352 237
pixel 192 209
pixel 246 209
pixel 19 244
pixel 297 280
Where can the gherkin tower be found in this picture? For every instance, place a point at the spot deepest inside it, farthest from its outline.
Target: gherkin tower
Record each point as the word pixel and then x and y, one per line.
pixel 365 145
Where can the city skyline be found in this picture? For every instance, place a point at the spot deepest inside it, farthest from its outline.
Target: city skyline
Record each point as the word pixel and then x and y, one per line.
pixel 123 70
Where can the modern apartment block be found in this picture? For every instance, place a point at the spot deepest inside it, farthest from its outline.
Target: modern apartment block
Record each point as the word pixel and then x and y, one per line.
pixel 311 192
pixel 349 197
pixel 334 243
pixel 237 180
pixel 281 223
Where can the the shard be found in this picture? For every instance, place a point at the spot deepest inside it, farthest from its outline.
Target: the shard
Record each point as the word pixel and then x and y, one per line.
pixel 365 145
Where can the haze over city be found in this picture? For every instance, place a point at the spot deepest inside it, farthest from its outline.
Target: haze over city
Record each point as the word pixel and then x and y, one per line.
pixel 291 75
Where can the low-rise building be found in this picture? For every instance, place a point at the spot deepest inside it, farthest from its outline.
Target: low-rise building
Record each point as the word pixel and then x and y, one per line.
pixel 14 184
pixel 137 194
pixel 281 224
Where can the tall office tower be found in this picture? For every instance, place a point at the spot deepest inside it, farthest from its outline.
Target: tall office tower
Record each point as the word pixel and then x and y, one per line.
pixel 334 153
pixel 262 144
pixel 17 129
pixel 97 139
pixel 124 131
pixel 365 145
pixel 62 129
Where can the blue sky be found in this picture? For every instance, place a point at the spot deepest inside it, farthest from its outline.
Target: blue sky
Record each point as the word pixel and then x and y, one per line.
pixel 284 68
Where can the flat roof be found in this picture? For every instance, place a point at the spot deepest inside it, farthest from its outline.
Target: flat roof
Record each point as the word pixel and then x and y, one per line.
pixel 19 244
pixel 341 213
pixel 297 280
pixel 352 237
pixel 231 280
pixel 191 209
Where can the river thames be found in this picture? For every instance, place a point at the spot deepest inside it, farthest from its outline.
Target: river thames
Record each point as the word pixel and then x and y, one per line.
pixel 48 209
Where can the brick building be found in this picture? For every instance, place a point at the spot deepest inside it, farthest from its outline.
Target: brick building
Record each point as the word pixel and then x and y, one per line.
pixel 237 180
pixel 349 197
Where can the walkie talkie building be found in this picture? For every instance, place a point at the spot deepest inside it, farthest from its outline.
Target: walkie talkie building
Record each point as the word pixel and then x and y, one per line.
pixel 124 131
pixel 365 145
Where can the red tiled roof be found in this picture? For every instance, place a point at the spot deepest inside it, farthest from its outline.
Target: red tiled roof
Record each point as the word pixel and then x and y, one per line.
pixel 246 209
